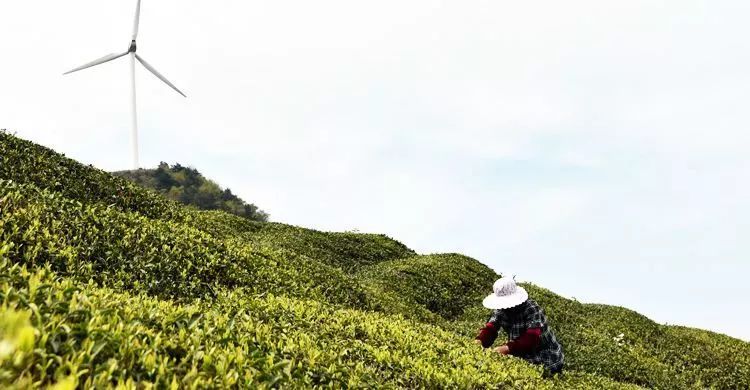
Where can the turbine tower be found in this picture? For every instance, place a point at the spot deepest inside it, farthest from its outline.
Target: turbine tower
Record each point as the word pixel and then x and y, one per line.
pixel 133 58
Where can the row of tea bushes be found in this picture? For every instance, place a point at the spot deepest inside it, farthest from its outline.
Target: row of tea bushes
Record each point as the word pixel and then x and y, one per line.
pixel 58 331
pixel 27 163
pixel 171 260
pixel 626 346
pixel 444 285
pixel 144 252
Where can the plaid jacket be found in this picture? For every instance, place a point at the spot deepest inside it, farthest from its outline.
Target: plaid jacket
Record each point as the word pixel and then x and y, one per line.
pixel 530 315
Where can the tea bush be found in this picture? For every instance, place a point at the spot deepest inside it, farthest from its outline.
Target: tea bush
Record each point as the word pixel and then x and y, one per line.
pixel 442 284
pixel 626 346
pixel 348 251
pixel 123 288
pixel 27 163
pixel 707 358
pixel 170 260
pixel 88 336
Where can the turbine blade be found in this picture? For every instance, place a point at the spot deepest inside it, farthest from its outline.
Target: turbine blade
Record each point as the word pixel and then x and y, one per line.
pixel 157 74
pixel 99 61
pixel 137 20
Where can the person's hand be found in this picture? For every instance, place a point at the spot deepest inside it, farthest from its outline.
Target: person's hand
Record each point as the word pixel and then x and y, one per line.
pixel 503 350
pixel 477 341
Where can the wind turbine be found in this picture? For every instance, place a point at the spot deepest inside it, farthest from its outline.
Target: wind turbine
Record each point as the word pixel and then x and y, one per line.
pixel 133 58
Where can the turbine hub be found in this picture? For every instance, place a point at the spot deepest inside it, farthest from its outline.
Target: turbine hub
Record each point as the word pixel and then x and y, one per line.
pixel 132 47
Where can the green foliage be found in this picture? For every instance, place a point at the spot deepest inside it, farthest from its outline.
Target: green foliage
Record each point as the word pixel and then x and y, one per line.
pixel 100 338
pixel 707 358
pixel 445 285
pixel 349 251
pixel 188 186
pixel 626 346
pixel 128 251
pixel 16 340
pixel 26 162
pixel 122 287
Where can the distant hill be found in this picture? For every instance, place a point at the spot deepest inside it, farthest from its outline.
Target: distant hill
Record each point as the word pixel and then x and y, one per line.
pixel 106 284
pixel 187 185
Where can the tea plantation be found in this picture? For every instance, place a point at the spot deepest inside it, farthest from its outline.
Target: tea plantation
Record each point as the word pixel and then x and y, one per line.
pixel 104 284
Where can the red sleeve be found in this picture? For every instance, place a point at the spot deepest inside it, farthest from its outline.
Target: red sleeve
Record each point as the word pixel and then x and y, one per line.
pixel 488 334
pixel 526 342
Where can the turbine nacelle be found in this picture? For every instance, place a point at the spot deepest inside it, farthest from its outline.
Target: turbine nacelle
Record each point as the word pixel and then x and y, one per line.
pixel 133 47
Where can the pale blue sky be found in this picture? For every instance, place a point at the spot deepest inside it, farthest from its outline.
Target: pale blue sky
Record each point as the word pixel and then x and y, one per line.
pixel 598 149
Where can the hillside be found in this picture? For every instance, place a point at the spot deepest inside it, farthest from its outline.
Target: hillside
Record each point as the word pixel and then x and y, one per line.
pixel 105 283
pixel 188 186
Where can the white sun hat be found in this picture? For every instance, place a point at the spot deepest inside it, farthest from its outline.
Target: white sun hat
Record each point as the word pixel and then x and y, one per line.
pixel 505 294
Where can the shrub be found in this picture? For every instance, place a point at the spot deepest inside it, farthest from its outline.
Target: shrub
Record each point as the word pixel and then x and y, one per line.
pixel 442 284
pixel 125 288
pixel 162 258
pixel 96 337
pixel 27 163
